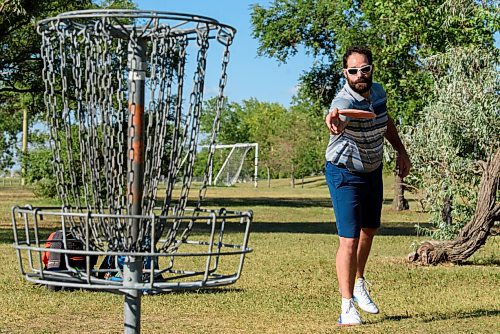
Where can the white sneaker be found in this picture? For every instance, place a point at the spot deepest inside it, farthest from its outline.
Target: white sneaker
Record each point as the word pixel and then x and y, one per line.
pixel 349 315
pixel 362 297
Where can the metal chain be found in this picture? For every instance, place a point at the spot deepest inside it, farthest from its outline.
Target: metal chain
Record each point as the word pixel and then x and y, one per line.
pixel 226 39
pixel 193 122
pixel 192 127
pixel 86 80
pixel 161 84
pixel 121 125
pixel 178 135
pixel 158 133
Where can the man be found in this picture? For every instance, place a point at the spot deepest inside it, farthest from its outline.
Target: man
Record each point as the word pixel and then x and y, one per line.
pixel 354 176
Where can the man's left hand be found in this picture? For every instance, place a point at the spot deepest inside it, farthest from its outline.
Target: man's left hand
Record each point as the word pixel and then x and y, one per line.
pixel 403 164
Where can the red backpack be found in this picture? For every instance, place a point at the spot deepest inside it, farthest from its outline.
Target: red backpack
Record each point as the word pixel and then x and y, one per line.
pixel 57 261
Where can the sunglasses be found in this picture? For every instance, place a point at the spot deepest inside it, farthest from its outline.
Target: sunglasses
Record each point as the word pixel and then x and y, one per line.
pixel 365 69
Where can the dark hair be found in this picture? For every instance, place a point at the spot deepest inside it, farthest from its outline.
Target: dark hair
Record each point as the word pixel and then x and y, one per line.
pixel 357 49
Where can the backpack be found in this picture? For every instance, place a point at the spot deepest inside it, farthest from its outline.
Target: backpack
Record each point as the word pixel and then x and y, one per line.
pixel 107 269
pixel 57 261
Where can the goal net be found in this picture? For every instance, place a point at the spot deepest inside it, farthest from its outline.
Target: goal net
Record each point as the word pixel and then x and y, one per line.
pixel 234 161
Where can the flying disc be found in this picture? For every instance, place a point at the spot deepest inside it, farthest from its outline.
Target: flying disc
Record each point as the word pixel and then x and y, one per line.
pixel 356 113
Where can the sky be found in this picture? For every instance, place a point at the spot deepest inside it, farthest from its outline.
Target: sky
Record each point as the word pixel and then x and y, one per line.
pixel 249 75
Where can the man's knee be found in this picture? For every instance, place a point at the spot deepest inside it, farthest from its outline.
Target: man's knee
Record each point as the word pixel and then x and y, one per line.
pixel 348 244
pixel 368 232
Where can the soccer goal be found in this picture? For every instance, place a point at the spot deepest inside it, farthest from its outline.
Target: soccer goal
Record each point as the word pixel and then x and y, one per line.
pixel 233 163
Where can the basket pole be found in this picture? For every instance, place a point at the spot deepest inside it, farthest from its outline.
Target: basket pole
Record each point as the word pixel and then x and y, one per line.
pixel 132 269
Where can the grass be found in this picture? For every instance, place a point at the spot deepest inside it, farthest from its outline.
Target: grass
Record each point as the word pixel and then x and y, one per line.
pixel 288 283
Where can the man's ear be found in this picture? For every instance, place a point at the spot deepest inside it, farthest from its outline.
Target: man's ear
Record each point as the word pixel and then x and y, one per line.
pixel 344 72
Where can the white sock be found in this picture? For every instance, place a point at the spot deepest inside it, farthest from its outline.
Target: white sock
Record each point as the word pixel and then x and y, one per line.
pixel 346 302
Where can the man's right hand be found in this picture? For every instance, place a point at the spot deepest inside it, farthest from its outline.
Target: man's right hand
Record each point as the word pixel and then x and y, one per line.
pixel 334 123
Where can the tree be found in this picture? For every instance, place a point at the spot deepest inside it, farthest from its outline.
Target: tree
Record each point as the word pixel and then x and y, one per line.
pixel 232 126
pixel 474 234
pixel 20 69
pixel 264 119
pixel 400 33
pixel 295 147
pixel 21 82
pixel 9 127
pixel 39 167
pixel 457 140
pixel 232 130
pixel 251 121
pixel 304 133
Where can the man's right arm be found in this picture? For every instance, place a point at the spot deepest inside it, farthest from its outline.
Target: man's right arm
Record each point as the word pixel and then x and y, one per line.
pixel 335 122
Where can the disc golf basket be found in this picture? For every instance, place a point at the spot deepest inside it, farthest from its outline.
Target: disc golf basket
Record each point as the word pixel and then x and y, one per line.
pixel 124 123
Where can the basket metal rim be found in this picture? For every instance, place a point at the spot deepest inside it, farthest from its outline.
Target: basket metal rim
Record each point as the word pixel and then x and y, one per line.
pixel 240 249
pixel 111 286
pixel 196 213
pixel 137 14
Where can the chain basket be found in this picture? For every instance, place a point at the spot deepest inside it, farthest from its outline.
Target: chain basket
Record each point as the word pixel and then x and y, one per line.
pixel 124 98
pixel 124 119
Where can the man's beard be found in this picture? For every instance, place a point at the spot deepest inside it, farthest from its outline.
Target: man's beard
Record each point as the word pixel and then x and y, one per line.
pixel 362 85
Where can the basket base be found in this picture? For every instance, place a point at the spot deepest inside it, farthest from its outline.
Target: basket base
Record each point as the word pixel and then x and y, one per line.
pixel 210 255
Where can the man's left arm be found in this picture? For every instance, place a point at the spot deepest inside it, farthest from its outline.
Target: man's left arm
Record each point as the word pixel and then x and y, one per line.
pixel 402 160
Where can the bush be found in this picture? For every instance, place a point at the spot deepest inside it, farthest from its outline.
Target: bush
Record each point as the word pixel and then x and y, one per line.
pixel 45 188
pixel 459 127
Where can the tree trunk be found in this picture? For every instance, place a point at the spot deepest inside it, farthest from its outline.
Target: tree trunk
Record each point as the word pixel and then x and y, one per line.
pixel 447 210
pixel 474 234
pixel 268 177
pixel 293 177
pixel 25 146
pixel 399 203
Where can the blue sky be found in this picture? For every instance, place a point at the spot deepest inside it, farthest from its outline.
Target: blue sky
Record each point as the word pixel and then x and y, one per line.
pixel 249 75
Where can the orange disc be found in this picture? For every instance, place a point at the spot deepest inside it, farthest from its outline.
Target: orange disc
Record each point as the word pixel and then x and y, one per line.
pixel 356 113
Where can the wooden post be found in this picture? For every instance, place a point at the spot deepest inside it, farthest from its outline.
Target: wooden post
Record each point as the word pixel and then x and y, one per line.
pixel 25 146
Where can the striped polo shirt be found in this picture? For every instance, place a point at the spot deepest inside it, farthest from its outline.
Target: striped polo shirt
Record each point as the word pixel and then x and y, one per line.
pixel 360 147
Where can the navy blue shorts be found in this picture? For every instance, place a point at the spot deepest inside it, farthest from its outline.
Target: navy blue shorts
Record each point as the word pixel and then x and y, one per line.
pixel 356 198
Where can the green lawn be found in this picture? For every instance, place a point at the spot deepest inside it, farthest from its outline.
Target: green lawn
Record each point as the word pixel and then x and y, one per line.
pixel 288 283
